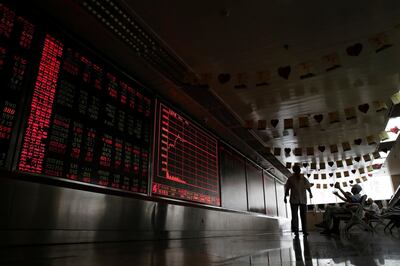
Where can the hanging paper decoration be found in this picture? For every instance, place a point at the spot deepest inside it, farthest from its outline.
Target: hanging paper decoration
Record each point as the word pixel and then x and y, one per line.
pixel 321 148
pixel 358 141
pixel 263 78
pixel 262 124
pixel 371 140
pixel 305 165
pixel 224 78
pixel 346 146
pixel 333 117
pixel 321 165
pixel 349 161
pixel 313 166
pixel 310 151
pixel 331 61
pixel 370 168
pixel 383 135
pixel 325 186
pixel 350 113
pixel 287 151
pixel 277 151
pixel 334 148
pixel 364 178
pixel 380 42
pixel 354 50
pixel 354 171
pixel 339 163
pixel 205 78
pixel 344 184
pixel 316 176
pixel 284 72
pixel 358 180
pixel 241 80
pixel 394 130
pixel 331 164
pixel 351 181
pixel 330 174
pixel 377 166
pixel 357 159
pixel 380 106
pixel 305 70
pixel 248 124
pixel 346 174
pixel 361 170
pixel 288 123
pixel 366 157
pixel 395 98
pixel 319 118
pixel 363 108
pixel 338 174
pixel 303 122
pixel 288 165
pixel 376 155
pixel 274 122
pixel 323 176
pixel 318 185
pixel 298 152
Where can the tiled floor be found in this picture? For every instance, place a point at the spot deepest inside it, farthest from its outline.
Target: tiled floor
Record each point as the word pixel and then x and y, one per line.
pixel 362 249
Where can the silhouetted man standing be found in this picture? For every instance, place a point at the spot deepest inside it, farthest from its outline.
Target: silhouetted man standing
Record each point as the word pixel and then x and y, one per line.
pixel 297 185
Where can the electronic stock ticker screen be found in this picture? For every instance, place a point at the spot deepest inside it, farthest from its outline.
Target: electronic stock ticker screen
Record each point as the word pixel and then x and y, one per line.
pixel 17 38
pixel 187 160
pixel 86 122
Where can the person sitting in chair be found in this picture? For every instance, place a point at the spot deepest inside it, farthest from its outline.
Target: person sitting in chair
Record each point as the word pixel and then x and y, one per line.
pixel 330 223
pixel 371 207
pixel 371 210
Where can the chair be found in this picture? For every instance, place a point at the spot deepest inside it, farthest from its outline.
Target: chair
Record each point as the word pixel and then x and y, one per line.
pixel 393 215
pixel 355 217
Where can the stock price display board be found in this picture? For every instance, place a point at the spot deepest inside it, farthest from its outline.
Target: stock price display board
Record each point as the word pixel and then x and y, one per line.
pixel 17 37
pixel 86 122
pixel 187 160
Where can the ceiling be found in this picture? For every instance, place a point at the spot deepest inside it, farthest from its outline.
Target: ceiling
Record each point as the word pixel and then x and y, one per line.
pixel 232 37
pixel 239 39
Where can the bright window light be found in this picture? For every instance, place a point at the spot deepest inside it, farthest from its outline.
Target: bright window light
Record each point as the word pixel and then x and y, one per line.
pixel 379 161
pixel 384 154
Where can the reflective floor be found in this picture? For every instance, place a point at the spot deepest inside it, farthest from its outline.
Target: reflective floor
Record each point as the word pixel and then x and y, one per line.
pixel 361 249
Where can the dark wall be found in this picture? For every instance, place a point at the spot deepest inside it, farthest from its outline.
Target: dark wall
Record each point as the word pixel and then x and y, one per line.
pixel 270 195
pixel 280 192
pixel 233 179
pixel 255 188
pixel 33 213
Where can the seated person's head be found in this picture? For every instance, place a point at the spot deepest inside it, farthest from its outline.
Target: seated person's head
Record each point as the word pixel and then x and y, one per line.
pixel 369 201
pixel 296 169
pixel 356 189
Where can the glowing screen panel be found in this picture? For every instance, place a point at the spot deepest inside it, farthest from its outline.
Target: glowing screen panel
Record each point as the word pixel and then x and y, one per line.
pixel 187 160
pixel 86 122
pixel 17 36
